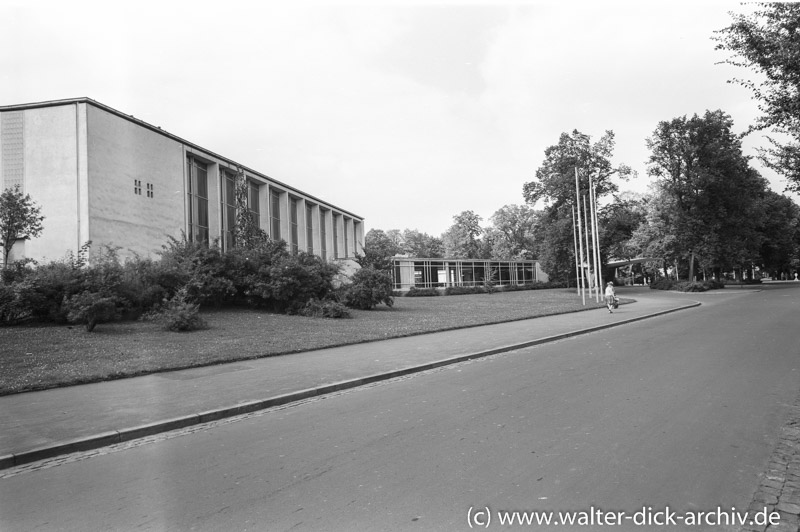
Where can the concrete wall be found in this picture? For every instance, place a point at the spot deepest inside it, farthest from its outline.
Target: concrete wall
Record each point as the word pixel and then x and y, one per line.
pixel 121 152
pixel 53 161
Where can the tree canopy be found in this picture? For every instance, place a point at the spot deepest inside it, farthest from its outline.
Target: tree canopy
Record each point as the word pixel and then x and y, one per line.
pixel 768 43
pixel 555 185
pixel 698 164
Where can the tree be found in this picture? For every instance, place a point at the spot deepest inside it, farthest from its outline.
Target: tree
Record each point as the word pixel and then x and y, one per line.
pixel 698 163
pixel 378 250
pixel 554 184
pixel 514 225
pixel 619 220
pixel 462 239
pixel 779 224
pixel 20 218
pixel 654 237
pixel 768 42
pixel 422 245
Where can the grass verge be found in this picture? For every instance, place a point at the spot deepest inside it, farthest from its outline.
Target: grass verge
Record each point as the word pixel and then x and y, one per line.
pixel 38 357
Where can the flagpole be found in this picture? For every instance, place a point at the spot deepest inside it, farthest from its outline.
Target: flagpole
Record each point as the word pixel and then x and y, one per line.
pixel 575 247
pixel 588 249
pixel 598 268
pixel 580 231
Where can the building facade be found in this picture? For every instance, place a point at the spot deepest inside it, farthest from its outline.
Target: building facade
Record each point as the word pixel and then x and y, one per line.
pixel 410 273
pixel 103 176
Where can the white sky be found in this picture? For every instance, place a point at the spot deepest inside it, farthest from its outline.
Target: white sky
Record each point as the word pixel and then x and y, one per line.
pixel 405 113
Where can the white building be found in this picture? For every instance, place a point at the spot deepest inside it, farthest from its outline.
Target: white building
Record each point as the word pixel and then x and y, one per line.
pixel 103 176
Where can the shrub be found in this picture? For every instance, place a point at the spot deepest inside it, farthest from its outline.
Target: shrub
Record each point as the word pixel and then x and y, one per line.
pixel 17 271
pixel 463 290
pixel 691 286
pixel 139 288
pixel 290 281
pixel 327 308
pixel 663 284
pixel 91 308
pixel 10 309
pixel 370 287
pixel 422 292
pixel 43 292
pixel 178 314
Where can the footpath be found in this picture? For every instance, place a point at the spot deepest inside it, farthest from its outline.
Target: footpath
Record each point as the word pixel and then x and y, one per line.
pixel 45 424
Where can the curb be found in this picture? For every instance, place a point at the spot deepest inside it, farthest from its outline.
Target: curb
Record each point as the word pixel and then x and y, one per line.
pixel 105 439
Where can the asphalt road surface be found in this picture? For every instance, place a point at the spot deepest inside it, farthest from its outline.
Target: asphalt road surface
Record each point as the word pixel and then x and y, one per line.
pixel 679 411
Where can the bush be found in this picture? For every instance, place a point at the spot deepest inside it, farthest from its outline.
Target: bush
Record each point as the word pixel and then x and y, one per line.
pixel 290 281
pixel 91 308
pixel 139 287
pixel 43 292
pixel 328 308
pixel 422 292
pixel 17 271
pixel 370 287
pixel 663 284
pixel 10 309
pixel 178 314
pixel 463 290
pixel 198 268
pixel 691 286
pixel 685 286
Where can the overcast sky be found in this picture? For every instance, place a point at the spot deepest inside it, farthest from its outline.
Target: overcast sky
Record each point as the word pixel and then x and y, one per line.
pixel 404 113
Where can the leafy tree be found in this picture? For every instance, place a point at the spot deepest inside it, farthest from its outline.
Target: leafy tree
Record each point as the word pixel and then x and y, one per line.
pixel 396 237
pixel 422 245
pixel 654 237
pixel 779 224
pixel 554 184
pixel 555 178
pixel 768 42
pixel 20 218
pixel 619 220
pixel 378 250
pixel 514 225
pixel 698 163
pixel 462 239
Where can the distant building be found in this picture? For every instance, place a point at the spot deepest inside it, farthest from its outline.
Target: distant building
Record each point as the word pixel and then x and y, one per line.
pixel 107 177
pixel 410 273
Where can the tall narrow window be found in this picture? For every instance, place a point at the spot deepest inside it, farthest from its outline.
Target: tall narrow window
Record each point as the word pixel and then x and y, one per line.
pixel 137 187
pixel 309 228
pixel 197 200
pixel 336 236
pixel 228 209
pixel 275 214
pixel 253 203
pixel 346 240
pixel 323 235
pixel 150 190
pixel 293 221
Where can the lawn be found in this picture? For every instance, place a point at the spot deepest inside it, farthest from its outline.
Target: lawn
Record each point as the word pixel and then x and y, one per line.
pixel 40 357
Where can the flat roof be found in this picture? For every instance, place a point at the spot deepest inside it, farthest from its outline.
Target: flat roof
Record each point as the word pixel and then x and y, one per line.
pixel 156 129
pixel 618 263
pixel 440 259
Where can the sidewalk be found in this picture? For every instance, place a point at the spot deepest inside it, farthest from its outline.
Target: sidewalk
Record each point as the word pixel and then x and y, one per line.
pixel 38 425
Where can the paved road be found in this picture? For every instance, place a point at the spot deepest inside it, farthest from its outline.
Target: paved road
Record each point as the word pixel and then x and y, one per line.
pixel 682 410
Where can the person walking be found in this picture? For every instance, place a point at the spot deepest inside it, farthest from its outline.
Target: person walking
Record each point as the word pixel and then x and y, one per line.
pixel 611 296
